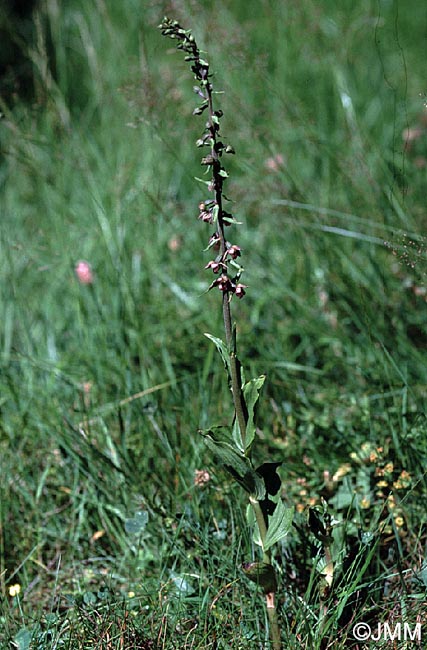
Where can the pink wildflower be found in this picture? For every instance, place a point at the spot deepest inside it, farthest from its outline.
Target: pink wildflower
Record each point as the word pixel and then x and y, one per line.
pixel 201 477
pixel 84 272
pixel 274 163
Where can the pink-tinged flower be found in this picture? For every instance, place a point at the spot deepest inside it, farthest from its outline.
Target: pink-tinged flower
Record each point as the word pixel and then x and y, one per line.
pixel 174 243
pixel 215 266
pixel 201 477
pixel 223 283
pixel 234 251
pixel 412 133
pixel 274 163
pixel 205 216
pixel 240 290
pixel 84 272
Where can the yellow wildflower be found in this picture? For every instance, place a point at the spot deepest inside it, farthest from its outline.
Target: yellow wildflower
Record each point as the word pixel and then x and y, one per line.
pixel 365 503
pixel 14 590
pixel 382 484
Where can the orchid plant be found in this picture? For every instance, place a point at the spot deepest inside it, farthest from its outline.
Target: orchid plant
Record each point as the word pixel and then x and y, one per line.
pixel 233 445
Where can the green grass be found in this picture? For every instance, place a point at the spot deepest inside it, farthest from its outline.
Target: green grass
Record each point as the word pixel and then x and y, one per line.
pixel 101 166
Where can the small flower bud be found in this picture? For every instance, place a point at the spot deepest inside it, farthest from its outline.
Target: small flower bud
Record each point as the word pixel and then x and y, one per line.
pixel 207 160
pixel 214 242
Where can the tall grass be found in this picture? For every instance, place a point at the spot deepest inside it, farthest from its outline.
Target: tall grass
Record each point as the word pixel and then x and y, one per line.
pixel 317 98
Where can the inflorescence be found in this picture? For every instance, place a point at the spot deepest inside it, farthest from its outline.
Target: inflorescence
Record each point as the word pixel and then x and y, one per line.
pixel 211 211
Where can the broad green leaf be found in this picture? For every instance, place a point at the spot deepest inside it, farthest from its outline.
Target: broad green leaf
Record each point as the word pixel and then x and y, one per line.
pixel 220 441
pixel 251 392
pixel 22 640
pixel 262 574
pixel 181 583
pixel 219 434
pixel 279 524
pixel 252 523
pixel 222 349
pixel 137 524
pixel 89 598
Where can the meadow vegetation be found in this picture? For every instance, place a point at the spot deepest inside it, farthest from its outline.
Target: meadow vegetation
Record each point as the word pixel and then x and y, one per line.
pixel 116 529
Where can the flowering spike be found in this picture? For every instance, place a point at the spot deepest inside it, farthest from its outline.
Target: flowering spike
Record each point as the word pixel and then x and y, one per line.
pixel 233 448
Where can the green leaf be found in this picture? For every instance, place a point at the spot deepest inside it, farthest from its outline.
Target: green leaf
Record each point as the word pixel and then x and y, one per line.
pixel 221 443
pixel 251 391
pixel 222 349
pixel 201 180
pixel 89 598
pixel 230 219
pixel 262 574
pixel 215 213
pixel 252 523
pixel 22 640
pixel 137 524
pixel 181 583
pixel 237 436
pixel 279 525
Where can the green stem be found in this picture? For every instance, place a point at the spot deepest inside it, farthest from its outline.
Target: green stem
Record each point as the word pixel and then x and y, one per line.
pixel 274 622
pixel 236 383
pixel 270 597
pixel 236 380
